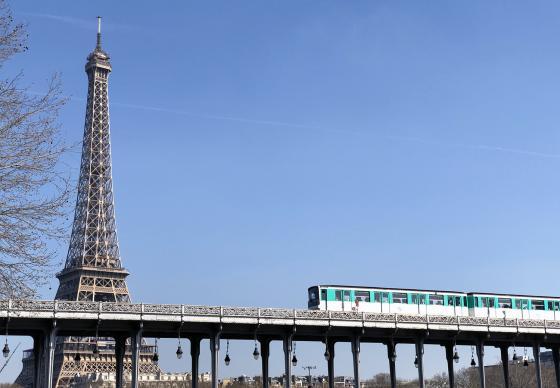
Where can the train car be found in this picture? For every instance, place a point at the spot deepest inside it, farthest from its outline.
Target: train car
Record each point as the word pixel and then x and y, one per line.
pixel 432 302
pixel 387 300
pixel 513 306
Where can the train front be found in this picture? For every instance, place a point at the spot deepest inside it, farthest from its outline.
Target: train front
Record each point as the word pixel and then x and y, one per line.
pixel 313 300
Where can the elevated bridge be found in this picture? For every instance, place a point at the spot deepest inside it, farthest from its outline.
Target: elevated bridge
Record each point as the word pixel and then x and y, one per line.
pixel 45 320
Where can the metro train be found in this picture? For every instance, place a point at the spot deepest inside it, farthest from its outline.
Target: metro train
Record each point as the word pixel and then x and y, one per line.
pixel 432 302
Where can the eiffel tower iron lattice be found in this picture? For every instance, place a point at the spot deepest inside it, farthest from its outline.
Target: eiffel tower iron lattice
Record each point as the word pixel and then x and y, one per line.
pixel 93 270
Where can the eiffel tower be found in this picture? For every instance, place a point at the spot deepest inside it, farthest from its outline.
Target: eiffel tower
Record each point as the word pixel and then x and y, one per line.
pixel 93 270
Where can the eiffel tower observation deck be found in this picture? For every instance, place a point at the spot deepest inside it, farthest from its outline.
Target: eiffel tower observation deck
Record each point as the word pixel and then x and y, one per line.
pixel 93 270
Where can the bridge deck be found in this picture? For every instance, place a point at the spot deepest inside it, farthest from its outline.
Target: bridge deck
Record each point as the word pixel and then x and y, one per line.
pixel 161 320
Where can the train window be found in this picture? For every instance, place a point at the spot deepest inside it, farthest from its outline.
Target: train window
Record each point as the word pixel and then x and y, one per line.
pixel 491 302
pixel 362 296
pixel 323 294
pixel 313 294
pixel 457 300
pixel 436 299
pixel 484 301
pixel 400 297
pixel 377 297
pixel 504 303
pixel 418 299
pixel 347 295
pixel 338 295
pixel 525 304
pixel 538 304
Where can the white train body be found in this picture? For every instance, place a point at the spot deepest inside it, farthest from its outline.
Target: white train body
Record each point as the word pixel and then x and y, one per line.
pixel 432 302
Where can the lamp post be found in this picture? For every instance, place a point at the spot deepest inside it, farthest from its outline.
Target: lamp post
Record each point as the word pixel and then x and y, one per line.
pixel 309 369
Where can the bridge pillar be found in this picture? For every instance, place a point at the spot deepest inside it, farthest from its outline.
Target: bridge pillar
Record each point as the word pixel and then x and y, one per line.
pixel 288 360
pixel 50 344
pixel 136 340
pixel 450 366
pixel 215 352
pixel 537 357
pixel 420 359
pixel 38 354
pixel 356 360
pixel 481 372
pixel 505 364
pixel 556 361
pixel 330 363
pixel 195 355
pixel 120 349
pixel 391 354
pixel 265 353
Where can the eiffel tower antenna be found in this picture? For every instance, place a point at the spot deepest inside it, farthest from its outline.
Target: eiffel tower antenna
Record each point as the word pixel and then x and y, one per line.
pixel 99 31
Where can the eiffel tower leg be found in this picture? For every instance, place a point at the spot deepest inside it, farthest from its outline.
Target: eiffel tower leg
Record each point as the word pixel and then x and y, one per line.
pixel 195 354
pixel 51 344
pixel 120 343
pixel 136 343
pixel 38 349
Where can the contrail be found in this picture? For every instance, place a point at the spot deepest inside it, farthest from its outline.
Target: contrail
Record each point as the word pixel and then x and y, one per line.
pixel 77 22
pixel 431 142
pixel 480 147
pixel 214 117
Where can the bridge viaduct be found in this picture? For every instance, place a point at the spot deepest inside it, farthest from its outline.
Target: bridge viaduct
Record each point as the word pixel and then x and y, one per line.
pixel 45 320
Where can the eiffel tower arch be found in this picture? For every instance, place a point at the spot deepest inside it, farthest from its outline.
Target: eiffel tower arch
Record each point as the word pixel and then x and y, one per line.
pixel 93 269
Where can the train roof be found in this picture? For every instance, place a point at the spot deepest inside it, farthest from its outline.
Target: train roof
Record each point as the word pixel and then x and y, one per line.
pixel 389 288
pixel 515 295
pixel 439 291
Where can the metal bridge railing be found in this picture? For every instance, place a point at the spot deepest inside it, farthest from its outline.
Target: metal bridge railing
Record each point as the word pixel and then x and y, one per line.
pixel 60 306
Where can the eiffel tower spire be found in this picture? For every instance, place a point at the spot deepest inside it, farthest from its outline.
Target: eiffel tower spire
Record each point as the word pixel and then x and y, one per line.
pixel 93 269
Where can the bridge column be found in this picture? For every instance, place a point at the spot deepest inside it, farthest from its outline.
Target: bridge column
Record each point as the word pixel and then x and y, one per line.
pixel 288 360
pixel 505 364
pixel 38 354
pixel 50 344
pixel 215 353
pixel 450 366
pixel 556 361
pixel 265 353
pixel 391 354
pixel 420 359
pixel 195 355
pixel 120 348
pixel 136 340
pixel 481 372
pixel 537 357
pixel 356 360
pixel 330 363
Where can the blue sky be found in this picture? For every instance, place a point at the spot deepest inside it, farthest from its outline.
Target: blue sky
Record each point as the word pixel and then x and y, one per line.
pixel 263 147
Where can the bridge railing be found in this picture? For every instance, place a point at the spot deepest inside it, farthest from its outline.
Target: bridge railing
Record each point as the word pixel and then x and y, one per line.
pixel 61 306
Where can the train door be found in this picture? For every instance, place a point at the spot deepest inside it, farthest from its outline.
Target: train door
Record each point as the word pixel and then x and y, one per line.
pixel 385 306
pixel 346 300
pixel 489 303
pixel 419 300
pixel 555 307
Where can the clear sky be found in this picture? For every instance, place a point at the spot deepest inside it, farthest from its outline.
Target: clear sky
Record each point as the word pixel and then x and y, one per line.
pixel 263 147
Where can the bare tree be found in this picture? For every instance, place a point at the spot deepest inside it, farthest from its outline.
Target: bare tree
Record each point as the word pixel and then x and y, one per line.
pixel 33 192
